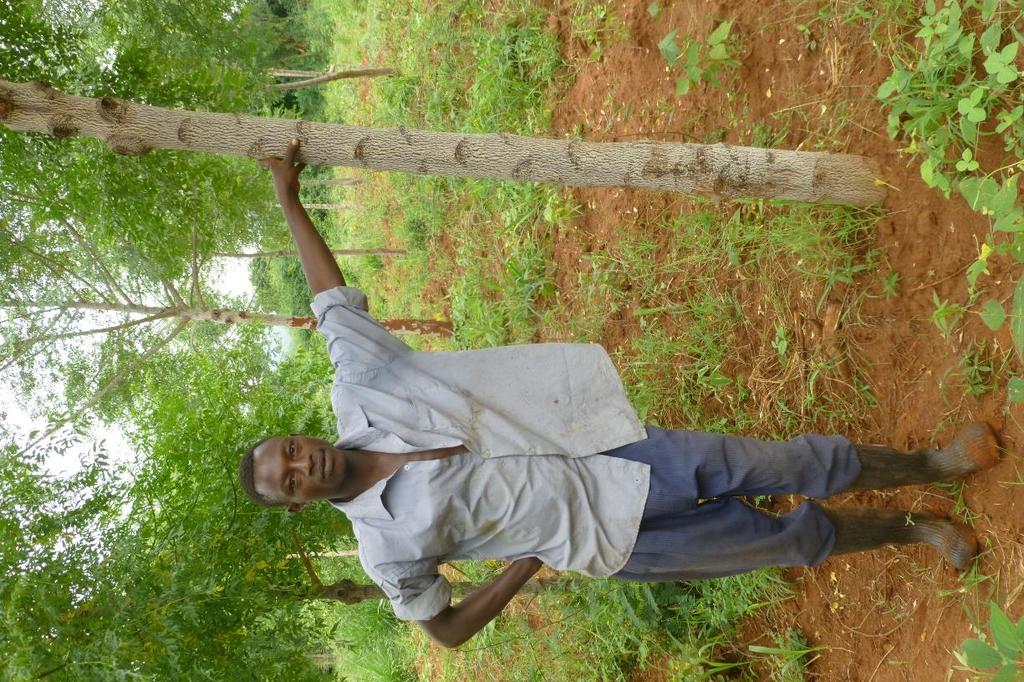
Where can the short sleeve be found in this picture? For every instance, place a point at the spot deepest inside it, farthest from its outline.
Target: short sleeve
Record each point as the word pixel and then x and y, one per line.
pixel 355 341
pixel 421 597
pixel 343 296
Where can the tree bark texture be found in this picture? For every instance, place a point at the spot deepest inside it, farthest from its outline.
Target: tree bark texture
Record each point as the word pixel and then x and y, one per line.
pixel 333 76
pixel 718 171
pixel 286 253
pixel 344 206
pixel 295 73
pixel 337 182
pixel 227 316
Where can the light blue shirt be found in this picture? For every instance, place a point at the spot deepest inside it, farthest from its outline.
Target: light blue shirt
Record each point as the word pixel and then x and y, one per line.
pixel 536 399
pixel 581 514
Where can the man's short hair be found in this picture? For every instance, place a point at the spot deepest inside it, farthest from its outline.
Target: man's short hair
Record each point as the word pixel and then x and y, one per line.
pixel 246 476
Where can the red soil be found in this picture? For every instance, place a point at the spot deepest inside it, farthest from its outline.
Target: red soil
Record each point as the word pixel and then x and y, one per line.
pixel 885 615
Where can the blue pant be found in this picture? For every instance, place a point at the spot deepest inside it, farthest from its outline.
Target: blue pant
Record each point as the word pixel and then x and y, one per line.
pixel 693 527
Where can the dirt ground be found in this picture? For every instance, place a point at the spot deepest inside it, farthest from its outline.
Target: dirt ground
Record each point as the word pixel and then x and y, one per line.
pixel 885 615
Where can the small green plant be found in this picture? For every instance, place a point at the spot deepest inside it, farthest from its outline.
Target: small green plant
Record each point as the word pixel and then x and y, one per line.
pixel 891 285
pixel 946 315
pixel 595 24
pixel 781 342
pixel 700 62
pixel 959 85
pixel 980 369
pixel 1000 651
pixel 789 658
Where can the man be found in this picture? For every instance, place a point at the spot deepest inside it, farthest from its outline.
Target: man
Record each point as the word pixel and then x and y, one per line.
pixel 533 454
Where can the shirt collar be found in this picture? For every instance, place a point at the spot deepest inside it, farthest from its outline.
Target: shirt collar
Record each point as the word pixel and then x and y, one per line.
pixel 367 504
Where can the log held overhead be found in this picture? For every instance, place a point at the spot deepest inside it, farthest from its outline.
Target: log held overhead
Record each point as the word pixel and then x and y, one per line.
pixel 719 171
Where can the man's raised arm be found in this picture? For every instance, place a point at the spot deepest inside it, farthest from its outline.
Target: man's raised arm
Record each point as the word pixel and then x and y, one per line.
pixel 456 624
pixel 318 263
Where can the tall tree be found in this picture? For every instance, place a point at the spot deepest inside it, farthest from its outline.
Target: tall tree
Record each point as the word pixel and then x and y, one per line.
pixel 708 170
pixel 88 321
pixel 99 577
pixel 290 253
pixel 321 78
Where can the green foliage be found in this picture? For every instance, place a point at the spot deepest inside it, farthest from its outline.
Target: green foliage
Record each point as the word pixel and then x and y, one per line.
pixel 495 79
pixel 993 314
pixel 958 89
pixel 280 286
pixel 700 62
pixel 594 23
pixel 947 315
pixel 174 574
pixel 82 224
pixel 891 285
pixel 982 368
pixel 1000 652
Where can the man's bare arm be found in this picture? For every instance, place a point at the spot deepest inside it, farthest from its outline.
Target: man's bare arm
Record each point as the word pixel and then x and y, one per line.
pixel 318 263
pixel 456 624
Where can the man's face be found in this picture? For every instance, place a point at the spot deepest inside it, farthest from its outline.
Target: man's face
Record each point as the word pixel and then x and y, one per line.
pixel 297 470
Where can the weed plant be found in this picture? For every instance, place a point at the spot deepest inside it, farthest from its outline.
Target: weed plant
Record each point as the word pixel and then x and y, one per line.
pixel 699 61
pixel 955 95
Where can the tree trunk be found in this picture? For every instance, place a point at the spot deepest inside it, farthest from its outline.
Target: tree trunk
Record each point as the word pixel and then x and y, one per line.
pixel 224 316
pixel 285 253
pixel 720 171
pixel 336 207
pixel 332 76
pixel 343 182
pixel 295 73
pixel 327 555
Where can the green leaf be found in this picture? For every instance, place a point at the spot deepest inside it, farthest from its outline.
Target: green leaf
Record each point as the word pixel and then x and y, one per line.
pixel 1011 221
pixel 1005 121
pixel 990 38
pixel 1006 75
pixel 979 654
pixel 976 115
pixel 1009 53
pixel 718 52
pixel 887 88
pixel 976 270
pixel 1017 319
pixel 720 33
pixel 969 188
pixel 966 46
pixel 993 314
pixel 1006 197
pixel 969 130
pixel 928 172
pixel 682 85
pixel 668 48
pixel 693 55
pixel 988 9
pixel 979 192
pixel 994 64
pixel 1003 632
pixel 1008 673
pixel 654 9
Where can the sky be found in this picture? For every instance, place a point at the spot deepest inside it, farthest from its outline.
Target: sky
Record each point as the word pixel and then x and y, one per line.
pixel 227 276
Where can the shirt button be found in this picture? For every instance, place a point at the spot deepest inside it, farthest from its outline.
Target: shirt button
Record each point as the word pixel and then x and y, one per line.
pixel 406 467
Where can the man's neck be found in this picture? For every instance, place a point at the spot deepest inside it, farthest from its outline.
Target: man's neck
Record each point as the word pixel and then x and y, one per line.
pixel 366 468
